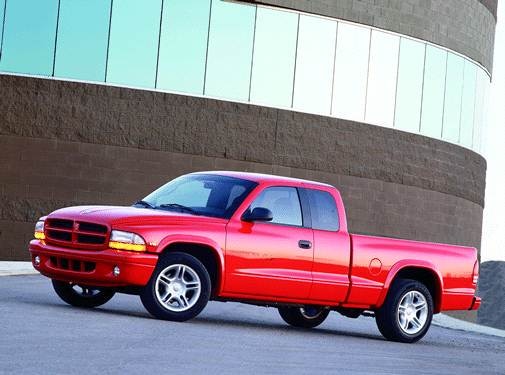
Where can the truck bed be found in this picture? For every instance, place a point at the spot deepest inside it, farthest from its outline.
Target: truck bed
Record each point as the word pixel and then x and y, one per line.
pixel 376 259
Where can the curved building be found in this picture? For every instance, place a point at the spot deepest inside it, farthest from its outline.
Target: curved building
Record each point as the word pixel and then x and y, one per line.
pixel 103 100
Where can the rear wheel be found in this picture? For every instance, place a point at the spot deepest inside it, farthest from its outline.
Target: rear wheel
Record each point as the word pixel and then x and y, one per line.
pixel 80 295
pixel 179 288
pixel 407 312
pixel 303 317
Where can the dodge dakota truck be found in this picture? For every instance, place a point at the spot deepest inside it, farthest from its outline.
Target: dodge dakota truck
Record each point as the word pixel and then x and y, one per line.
pixel 252 238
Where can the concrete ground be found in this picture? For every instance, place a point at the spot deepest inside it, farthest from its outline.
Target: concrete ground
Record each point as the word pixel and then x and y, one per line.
pixel 41 334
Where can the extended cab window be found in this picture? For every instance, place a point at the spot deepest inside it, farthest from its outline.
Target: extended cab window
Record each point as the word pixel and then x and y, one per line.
pixel 284 204
pixel 323 210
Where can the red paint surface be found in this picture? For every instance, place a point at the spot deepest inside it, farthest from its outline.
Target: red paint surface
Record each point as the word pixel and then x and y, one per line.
pixel 262 261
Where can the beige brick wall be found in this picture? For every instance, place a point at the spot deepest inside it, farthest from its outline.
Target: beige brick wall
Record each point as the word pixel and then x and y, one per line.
pixel 44 175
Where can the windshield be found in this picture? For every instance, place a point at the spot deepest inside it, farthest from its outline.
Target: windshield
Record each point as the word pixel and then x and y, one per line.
pixel 200 194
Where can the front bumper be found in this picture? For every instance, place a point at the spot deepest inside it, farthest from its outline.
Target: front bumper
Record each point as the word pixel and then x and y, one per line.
pixel 94 268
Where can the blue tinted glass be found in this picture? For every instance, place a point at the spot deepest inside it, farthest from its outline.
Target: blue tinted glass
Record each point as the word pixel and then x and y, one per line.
pixel 230 50
pixel 323 210
pixel 481 102
pixel 479 108
pixel 382 75
pixel 314 64
pixel 433 95
pixel 410 85
pixel 274 57
pixel 351 71
pixel 183 45
pixel 134 36
pixel 453 92
pixel 29 36
pixel 284 204
pixel 468 104
pixel 2 8
pixel 209 195
pixel 83 32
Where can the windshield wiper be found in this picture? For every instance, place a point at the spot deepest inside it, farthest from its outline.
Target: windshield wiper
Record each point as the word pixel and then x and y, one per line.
pixel 179 207
pixel 144 203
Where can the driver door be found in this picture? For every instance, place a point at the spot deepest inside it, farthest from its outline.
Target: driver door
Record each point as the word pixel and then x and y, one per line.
pixel 270 259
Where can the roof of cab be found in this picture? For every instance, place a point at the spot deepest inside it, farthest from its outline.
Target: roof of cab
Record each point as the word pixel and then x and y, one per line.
pixel 267 178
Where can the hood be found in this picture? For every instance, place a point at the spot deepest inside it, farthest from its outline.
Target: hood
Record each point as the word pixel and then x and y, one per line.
pixel 124 215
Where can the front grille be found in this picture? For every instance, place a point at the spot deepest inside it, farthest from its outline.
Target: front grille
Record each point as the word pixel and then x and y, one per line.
pixel 72 264
pixel 59 236
pixel 92 227
pixel 76 234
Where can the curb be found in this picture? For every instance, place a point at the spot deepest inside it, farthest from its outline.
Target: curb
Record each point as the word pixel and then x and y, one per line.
pixel 17 269
pixel 446 321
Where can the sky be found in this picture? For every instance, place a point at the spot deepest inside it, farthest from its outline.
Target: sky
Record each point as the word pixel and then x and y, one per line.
pixel 493 236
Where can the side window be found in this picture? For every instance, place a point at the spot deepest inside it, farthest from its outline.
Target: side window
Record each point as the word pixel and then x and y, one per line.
pixel 323 210
pixel 284 204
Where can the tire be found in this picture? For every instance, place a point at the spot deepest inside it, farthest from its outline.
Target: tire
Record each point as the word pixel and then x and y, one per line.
pixel 81 296
pixel 303 317
pixel 179 288
pixel 406 313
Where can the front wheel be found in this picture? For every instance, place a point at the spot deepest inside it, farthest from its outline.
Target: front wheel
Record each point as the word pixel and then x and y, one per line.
pixel 80 295
pixel 303 317
pixel 179 288
pixel 406 314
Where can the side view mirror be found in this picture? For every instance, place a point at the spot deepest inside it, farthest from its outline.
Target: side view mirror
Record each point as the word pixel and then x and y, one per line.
pixel 258 214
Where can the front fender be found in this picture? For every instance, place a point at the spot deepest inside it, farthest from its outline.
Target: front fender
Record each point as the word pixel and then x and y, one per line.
pixel 196 240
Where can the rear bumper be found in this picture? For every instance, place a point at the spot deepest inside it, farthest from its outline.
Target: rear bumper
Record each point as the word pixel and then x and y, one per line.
pixel 463 299
pixel 94 268
pixel 475 303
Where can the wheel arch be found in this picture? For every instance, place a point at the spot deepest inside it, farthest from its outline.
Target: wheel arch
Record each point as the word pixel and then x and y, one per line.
pixel 423 272
pixel 206 251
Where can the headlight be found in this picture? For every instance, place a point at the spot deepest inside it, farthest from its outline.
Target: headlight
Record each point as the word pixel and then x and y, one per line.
pixel 121 240
pixel 39 230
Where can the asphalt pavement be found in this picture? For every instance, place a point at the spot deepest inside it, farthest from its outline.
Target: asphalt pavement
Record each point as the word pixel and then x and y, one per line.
pixel 39 334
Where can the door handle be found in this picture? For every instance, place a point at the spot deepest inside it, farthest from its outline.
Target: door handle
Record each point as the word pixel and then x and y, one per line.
pixel 304 244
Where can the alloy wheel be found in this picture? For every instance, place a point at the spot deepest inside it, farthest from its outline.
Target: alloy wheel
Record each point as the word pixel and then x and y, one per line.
pixel 178 287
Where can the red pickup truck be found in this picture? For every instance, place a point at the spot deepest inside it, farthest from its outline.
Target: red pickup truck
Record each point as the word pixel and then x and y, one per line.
pixel 256 239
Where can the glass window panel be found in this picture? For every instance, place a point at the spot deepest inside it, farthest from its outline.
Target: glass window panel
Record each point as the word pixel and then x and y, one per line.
pixel 83 31
pixel 481 100
pixel 485 117
pixel 323 210
pixel 29 36
pixel 452 103
pixel 468 104
pixel 383 68
pixel 314 64
pixel 433 92
pixel 133 49
pixel 230 50
pixel 410 85
pixel 183 45
pixel 2 8
pixel 274 57
pixel 284 204
pixel 351 72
